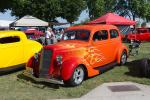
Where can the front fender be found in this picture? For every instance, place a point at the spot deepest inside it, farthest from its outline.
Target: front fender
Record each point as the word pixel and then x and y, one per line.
pixel 68 67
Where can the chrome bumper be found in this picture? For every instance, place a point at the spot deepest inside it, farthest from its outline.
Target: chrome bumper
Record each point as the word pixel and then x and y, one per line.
pixel 29 74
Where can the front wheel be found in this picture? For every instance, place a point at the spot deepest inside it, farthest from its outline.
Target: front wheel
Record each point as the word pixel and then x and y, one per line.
pixel 123 58
pixel 77 77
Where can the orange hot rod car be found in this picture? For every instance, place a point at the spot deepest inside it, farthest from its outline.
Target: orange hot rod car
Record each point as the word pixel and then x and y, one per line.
pixel 84 51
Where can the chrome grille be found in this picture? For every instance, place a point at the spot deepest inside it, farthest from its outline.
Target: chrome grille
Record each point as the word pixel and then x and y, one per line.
pixel 45 62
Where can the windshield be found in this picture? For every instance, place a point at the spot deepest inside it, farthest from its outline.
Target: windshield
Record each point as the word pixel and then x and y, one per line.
pixel 77 35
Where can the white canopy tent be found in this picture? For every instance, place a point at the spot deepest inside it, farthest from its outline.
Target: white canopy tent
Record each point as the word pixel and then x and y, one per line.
pixel 29 21
pixel 148 24
pixel 5 23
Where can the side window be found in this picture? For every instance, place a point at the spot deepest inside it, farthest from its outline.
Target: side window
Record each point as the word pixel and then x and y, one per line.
pixel 114 34
pixel 10 39
pixel 100 35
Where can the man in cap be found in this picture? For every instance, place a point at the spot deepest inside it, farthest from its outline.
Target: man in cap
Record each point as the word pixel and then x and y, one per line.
pixel 49 36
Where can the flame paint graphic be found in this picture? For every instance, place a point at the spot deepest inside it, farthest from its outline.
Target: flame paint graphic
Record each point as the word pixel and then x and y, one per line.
pixel 94 55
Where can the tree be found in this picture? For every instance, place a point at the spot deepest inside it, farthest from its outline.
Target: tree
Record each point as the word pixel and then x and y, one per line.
pixel 99 7
pixel 135 8
pixel 47 10
pixel 122 8
pixel 4 5
pixel 110 5
pixel 138 8
pixel 71 9
pixel 95 7
pixel 44 9
pixel 146 11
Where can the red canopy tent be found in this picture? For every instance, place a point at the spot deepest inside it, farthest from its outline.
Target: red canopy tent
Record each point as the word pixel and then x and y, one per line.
pixel 111 18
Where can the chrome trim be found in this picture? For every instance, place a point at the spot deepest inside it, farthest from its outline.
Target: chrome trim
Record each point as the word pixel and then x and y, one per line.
pixel 59 59
pixel 29 75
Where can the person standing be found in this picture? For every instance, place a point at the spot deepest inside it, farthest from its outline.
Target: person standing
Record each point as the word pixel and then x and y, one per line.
pixel 49 36
pixel 54 38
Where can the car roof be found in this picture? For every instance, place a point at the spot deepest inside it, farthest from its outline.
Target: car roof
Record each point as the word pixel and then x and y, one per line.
pixel 11 33
pixel 93 27
pixel 37 32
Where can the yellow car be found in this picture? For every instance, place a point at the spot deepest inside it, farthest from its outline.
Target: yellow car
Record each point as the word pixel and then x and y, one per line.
pixel 16 49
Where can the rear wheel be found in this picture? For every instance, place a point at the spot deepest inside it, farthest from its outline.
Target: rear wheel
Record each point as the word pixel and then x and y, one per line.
pixel 77 77
pixel 123 58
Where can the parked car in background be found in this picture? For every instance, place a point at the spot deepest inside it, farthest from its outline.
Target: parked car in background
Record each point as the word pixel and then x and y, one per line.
pixel 84 51
pixel 33 34
pixel 141 34
pixel 16 49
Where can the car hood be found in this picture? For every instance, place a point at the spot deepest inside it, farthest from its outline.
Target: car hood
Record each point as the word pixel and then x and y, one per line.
pixel 67 44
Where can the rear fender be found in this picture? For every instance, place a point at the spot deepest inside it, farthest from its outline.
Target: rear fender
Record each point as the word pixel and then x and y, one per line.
pixel 120 53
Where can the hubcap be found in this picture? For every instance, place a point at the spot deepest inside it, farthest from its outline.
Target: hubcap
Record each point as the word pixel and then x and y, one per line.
pixel 78 75
pixel 124 58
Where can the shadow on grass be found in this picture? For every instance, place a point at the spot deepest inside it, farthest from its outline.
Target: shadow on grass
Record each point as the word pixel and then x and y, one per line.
pixel 34 83
pixel 41 85
pixel 10 71
pixel 134 68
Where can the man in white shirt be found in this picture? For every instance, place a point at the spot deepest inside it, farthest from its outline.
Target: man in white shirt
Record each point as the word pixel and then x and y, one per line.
pixel 49 36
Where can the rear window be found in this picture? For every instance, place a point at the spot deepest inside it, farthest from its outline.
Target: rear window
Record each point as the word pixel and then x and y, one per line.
pixel 30 35
pixel 114 33
pixel 10 39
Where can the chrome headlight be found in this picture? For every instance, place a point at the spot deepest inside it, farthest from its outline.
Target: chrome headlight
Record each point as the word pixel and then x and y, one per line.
pixel 36 56
pixel 59 59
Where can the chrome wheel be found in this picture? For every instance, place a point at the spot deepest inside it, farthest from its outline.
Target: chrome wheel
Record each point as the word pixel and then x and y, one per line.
pixel 78 75
pixel 123 58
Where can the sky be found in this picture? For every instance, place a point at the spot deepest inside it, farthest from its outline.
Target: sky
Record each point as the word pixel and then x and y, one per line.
pixel 7 16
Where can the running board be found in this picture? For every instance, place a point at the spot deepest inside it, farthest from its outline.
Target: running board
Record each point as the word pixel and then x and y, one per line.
pixel 106 67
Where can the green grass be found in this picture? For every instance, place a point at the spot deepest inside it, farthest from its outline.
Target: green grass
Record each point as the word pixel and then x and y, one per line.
pixel 15 87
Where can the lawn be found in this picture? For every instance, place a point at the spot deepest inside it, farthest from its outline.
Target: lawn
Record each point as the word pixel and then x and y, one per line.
pixel 15 87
